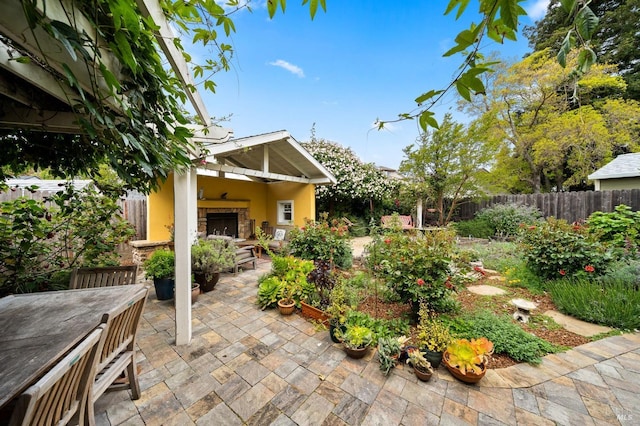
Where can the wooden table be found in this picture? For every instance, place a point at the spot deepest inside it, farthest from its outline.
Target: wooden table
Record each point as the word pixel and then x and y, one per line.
pixel 37 329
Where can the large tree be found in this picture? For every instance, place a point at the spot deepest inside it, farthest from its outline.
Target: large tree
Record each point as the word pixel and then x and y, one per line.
pixel 447 164
pixel 555 133
pixel 616 40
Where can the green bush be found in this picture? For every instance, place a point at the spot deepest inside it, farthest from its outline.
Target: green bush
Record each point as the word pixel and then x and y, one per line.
pixel 507 337
pixel 41 241
pixel 416 268
pixel 610 302
pixel 621 228
pixel 381 328
pixel 287 279
pixel 161 264
pixel 506 219
pixel 322 241
pixel 475 228
pixel 555 249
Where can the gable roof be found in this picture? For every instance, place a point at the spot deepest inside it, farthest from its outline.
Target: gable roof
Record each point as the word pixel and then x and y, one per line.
pixel 268 157
pixel 623 166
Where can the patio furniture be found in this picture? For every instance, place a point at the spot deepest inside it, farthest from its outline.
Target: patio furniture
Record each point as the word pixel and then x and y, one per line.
pixel 245 255
pixel 61 393
pixel 103 277
pixel 38 329
pixel 117 355
pixel 406 222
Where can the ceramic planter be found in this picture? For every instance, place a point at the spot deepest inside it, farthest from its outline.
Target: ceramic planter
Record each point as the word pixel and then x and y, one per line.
pixel 434 358
pixel 206 285
pixel 468 377
pixel 356 353
pixel 286 308
pixel 164 288
pixel 424 376
pixel 333 327
pixel 314 313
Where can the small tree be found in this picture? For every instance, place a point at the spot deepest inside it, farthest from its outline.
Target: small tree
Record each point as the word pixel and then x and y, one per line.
pixel 447 163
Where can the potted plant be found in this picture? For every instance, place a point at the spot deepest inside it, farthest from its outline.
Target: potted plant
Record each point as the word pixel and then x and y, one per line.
pixel 195 290
pixel 208 258
pixel 467 360
pixel 433 336
pixel 389 349
pixel 287 304
pixel 421 366
pixel 160 266
pixel 356 340
pixel 337 311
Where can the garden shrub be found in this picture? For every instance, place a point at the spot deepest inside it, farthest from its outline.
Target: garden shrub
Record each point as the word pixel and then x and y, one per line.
pixel 322 241
pixel 611 302
pixel 625 271
pixel 507 337
pixel 506 219
pixel 475 228
pixel 287 273
pixel 554 249
pixel 379 326
pixel 415 267
pixel 621 228
pixel 41 241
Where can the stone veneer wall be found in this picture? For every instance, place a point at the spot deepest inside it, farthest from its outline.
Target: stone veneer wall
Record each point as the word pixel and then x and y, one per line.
pixel 244 222
pixel 142 249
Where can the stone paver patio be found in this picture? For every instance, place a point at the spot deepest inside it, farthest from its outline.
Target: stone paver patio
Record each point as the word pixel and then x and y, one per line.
pixel 247 366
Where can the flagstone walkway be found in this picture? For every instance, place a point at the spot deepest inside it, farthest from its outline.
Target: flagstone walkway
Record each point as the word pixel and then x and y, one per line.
pixel 247 366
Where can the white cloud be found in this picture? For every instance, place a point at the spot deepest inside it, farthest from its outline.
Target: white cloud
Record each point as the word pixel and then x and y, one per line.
pixel 293 69
pixel 538 9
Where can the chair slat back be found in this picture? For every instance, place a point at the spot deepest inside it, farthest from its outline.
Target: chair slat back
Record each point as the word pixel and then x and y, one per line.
pixel 103 277
pixel 121 328
pixel 62 392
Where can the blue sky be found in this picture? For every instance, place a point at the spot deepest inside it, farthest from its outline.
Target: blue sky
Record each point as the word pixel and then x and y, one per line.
pixel 358 62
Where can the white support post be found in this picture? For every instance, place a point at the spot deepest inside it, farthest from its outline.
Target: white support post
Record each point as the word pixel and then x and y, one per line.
pixel 419 214
pixel 185 202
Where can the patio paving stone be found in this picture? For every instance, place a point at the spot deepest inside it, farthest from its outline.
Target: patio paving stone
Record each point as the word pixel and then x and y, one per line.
pixel 254 367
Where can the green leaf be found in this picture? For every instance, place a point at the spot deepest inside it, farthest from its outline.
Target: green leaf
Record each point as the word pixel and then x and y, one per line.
pixel 123 46
pixel 111 80
pixel 586 23
pixel 464 39
pixel 272 6
pixel 509 12
pixel 426 119
pixel 22 60
pixel 568 5
pixel 565 48
pixel 463 90
pixel 426 96
pixel 460 4
pixel 586 58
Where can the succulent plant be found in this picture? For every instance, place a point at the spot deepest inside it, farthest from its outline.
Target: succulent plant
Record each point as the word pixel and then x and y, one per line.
pixel 470 355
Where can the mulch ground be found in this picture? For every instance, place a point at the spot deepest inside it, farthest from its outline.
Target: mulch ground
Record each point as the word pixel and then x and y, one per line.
pixel 540 326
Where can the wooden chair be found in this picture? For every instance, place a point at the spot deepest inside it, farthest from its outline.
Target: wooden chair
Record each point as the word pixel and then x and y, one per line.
pixel 244 255
pixel 103 277
pixel 117 354
pixel 62 393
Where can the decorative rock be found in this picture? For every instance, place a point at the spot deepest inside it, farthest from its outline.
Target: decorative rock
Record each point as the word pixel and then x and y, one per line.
pixel 524 308
pixel 486 290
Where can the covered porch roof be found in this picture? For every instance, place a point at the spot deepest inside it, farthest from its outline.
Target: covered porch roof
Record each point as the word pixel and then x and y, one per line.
pixel 268 157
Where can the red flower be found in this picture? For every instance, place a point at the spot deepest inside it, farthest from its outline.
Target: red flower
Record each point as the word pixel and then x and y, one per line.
pixel 589 268
pixel 532 227
pixel 562 272
pixel 387 241
pixel 420 282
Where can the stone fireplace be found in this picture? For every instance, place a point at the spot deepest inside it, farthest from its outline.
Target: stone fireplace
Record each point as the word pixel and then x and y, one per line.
pixel 230 221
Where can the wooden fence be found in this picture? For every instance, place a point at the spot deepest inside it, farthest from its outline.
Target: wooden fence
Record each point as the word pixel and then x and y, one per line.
pixel 571 206
pixel 134 210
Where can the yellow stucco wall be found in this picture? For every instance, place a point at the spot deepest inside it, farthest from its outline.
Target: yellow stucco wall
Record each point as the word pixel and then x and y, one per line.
pixel 260 198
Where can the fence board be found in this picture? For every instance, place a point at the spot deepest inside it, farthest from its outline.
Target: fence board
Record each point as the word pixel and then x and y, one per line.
pixel 570 206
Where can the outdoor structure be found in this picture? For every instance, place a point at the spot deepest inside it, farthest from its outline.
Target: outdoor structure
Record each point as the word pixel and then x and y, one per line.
pixel 33 96
pixel 243 183
pixel 623 172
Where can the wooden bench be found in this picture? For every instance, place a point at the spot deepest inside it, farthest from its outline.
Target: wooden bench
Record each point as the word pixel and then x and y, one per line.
pixel 245 255
pixel 406 222
pixel 103 277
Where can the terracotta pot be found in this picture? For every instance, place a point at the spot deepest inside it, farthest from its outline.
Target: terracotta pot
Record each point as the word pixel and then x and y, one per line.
pixel 435 358
pixel 356 353
pixel 286 308
pixel 425 376
pixel 468 377
pixel 195 292
pixel 314 313
pixel 206 285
